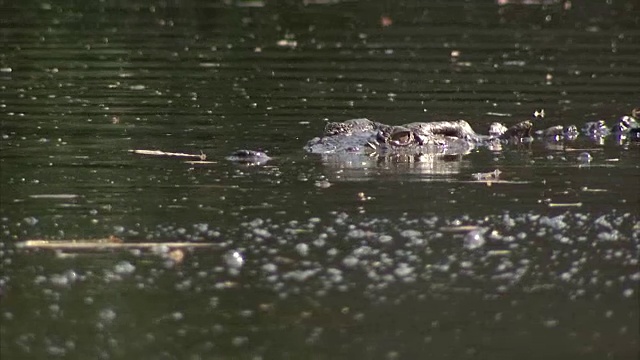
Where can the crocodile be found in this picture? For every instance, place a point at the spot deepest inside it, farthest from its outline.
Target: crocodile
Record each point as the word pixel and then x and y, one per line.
pixel 453 137
pixel 447 137
pixel 414 141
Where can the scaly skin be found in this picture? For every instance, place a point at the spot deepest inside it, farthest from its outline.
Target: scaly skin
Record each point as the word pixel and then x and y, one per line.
pixel 357 135
pixel 363 136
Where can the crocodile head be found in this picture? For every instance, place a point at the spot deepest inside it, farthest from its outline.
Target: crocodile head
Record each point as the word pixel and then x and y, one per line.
pixel 521 130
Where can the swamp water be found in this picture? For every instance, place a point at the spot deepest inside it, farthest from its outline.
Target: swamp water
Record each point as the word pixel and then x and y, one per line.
pixel 315 256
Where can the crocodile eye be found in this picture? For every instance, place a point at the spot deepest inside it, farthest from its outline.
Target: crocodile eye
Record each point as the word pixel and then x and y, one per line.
pixel 402 137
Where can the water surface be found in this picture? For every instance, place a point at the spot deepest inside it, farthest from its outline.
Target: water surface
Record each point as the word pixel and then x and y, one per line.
pixel 316 257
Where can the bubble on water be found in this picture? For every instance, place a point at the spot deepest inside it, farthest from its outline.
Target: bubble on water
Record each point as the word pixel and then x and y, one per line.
pixel 71 275
pixel 603 222
pixel 234 259
pixel 59 280
pixel 323 184
pixel 160 249
pixel 409 234
pixel 474 239
pixel 124 268
pixel 335 275
pixel 319 242
pixel 239 340
pixel 495 235
pixel 383 239
pixel 466 264
pixel 350 261
pixel 31 221
pixel 556 223
pixel 584 158
pixel 107 315
pixel 201 227
pixel 183 285
pixel 332 252
pixel 508 221
pixel 269 268
pixel 356 234
pixel 403 270
pixel 608 236
pixel 302 249
pixel 550 323
pixel 364 251
pixel 56 351
pixel 263 233
pixel 628 292
pixel 54 308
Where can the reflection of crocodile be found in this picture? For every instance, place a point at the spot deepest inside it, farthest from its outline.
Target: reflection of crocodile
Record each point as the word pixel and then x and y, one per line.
pixel 445 137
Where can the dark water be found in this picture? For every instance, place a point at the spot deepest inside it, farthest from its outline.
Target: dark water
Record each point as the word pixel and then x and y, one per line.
pixel 373 266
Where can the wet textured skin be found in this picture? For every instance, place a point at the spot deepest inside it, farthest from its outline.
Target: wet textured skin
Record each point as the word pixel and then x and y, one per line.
pixel 450 137
pixel 363 136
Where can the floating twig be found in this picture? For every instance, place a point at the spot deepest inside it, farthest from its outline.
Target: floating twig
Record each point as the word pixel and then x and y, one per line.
pixel 461 228
pixel 553 205
pixel 488 176
pixel 201 156
pixel 106 244
pixel 54 196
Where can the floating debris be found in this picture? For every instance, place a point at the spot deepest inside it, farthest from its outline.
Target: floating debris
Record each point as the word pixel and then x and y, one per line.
pixel 177 256
pixel 386 21
pixel 201 156
pixel 104 244
pixel 585 158
pixel 54 196
pixel 462 228
pixel 556 205
pixel 323 184
pixel 488 176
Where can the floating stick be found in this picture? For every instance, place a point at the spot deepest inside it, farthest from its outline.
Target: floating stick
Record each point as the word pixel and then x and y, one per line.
pixel 106 244
pixel 201 156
